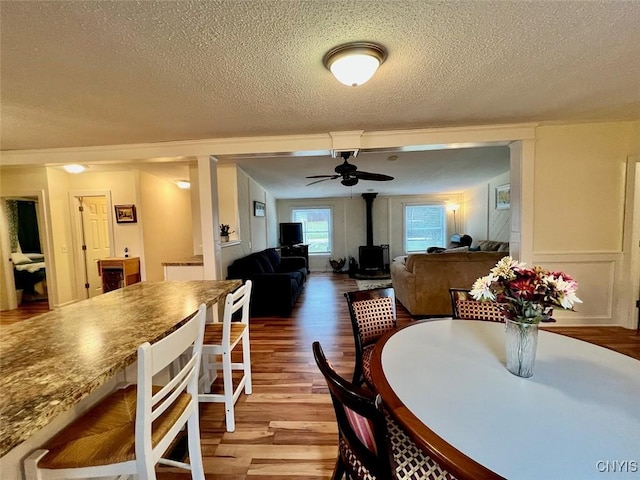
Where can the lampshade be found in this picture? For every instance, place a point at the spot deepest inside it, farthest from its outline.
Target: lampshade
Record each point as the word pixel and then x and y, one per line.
pixel 354 63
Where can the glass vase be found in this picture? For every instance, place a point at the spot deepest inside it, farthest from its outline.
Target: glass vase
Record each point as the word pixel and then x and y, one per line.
pixel 521 342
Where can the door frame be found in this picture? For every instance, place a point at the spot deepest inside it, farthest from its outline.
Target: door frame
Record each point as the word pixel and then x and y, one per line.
pixel 44 228
pixel 631 244
pixel 76 234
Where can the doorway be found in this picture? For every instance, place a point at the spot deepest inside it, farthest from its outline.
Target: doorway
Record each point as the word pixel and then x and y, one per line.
pixel 26 260
pixel 93 240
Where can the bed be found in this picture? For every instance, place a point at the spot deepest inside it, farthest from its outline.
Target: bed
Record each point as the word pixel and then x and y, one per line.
pixel 29 269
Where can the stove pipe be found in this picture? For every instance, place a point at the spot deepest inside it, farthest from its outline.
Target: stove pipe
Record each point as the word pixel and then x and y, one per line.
pixel 369 197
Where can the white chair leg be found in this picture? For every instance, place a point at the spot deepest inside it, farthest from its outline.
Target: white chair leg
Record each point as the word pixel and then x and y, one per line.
pixel 246 360
pixel 228 391
pixel 195 449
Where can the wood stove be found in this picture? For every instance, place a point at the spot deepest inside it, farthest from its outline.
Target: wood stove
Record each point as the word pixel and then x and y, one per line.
pixel 372 258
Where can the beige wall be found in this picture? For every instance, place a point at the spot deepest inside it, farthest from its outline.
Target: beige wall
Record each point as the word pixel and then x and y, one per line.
pixel 579 208
pixel 579 186
pixel 65 269
pixel 165 214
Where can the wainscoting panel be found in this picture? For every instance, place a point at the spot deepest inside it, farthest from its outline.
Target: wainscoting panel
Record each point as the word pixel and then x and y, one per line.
pixel 596 276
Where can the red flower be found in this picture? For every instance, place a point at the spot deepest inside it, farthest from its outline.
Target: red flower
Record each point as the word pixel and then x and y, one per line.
pixel 522 288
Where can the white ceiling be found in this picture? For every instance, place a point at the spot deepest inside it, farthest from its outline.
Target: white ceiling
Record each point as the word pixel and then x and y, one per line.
pixel 96 73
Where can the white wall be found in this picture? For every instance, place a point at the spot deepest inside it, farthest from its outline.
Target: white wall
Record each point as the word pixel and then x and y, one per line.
pixel 349 223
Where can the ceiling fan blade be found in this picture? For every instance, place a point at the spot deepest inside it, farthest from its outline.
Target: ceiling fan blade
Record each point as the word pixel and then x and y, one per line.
pixel 321 180
pixel 379 177
pixel 332 177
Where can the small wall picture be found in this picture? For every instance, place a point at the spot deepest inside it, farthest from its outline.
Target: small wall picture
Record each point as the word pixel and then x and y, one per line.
pixel 126 214
pixel 503 197
pixel 258 209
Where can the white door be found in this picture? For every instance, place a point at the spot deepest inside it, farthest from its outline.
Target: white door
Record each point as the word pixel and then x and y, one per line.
pixel 95 223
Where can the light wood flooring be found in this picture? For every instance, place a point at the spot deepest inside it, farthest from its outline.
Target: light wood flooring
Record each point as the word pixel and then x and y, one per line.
pixel 286 429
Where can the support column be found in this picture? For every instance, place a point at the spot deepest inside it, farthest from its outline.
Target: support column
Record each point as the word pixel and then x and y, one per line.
pixel 209 217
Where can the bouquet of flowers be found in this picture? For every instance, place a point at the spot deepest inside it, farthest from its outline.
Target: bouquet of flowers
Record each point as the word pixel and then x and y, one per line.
pixel 526 294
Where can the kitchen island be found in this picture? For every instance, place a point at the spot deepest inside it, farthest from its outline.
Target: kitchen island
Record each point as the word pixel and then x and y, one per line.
pixel 50 363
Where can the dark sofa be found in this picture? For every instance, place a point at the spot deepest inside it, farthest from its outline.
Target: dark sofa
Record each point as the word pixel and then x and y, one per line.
pixel 277 281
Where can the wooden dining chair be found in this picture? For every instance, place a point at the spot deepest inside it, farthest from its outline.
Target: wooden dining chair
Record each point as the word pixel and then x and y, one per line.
pixel 373 313
pixel 371 445
pixel 465 307
pixel 128 432
pixel 220 339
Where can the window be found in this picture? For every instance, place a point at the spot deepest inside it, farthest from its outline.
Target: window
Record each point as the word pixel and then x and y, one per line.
pixel 424 226
pixel 316 227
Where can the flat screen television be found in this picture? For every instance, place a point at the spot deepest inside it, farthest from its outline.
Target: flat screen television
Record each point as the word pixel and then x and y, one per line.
pixel 291 234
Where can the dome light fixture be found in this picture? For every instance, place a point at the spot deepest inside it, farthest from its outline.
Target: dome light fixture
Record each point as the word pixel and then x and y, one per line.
pixel 184 184
pixel 74 168
pixel 354 63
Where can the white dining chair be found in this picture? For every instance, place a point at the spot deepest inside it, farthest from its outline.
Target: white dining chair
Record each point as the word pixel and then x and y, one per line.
pixel 128 432
pixel 220 339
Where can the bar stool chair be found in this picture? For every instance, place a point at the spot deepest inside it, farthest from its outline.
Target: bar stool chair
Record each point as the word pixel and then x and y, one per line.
pixel 465 307
pixel 221 339
pixel 128 432
pixel 373 313
pixel 371 444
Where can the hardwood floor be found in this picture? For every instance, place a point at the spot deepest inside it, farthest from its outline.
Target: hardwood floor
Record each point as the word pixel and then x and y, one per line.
pixel 286 429
pixel 24 311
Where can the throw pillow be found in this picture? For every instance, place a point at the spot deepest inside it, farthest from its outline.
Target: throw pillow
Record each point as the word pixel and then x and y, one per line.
pixel 19 258
pixel 504 247
pixel 489 245
pixel 456 250
pixel 401 259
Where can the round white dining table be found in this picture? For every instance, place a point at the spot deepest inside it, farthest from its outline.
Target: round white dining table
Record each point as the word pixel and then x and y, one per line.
pixel 577 417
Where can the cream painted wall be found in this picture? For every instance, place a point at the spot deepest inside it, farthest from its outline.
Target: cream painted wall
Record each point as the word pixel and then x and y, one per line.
pixel 579 210
pixel 579 186
pixel 58 183
pixel 166 223
pixel 124 189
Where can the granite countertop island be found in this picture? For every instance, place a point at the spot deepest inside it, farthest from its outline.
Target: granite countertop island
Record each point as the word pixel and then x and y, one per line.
pixel 185 262
pixel 51 362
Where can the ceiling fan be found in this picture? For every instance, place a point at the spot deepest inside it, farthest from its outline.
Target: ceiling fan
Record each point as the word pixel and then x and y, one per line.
pixel 350 174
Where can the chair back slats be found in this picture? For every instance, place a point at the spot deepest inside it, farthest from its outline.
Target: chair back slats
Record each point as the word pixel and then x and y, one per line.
pixel 374 317
pixel 465 307
pixel 187 339
pixel 372 313
pixel 361 423
pixel 234 302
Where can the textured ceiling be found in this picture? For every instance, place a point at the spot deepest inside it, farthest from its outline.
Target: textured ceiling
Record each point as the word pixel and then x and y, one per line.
pixel 86 73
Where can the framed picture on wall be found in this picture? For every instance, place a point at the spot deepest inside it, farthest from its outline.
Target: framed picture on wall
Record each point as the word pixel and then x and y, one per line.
pixel 126 214
pixel 503 197
pixel 258 209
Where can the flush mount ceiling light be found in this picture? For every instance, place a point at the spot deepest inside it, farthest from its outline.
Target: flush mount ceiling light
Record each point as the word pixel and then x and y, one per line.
pixel 74 168
pixel 184 184
pixel 354 63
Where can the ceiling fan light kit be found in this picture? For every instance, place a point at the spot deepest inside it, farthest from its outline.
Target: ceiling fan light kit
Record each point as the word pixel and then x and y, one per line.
pixel 354 63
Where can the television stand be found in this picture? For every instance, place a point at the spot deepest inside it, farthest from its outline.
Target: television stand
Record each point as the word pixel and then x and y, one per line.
pixel 299 250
